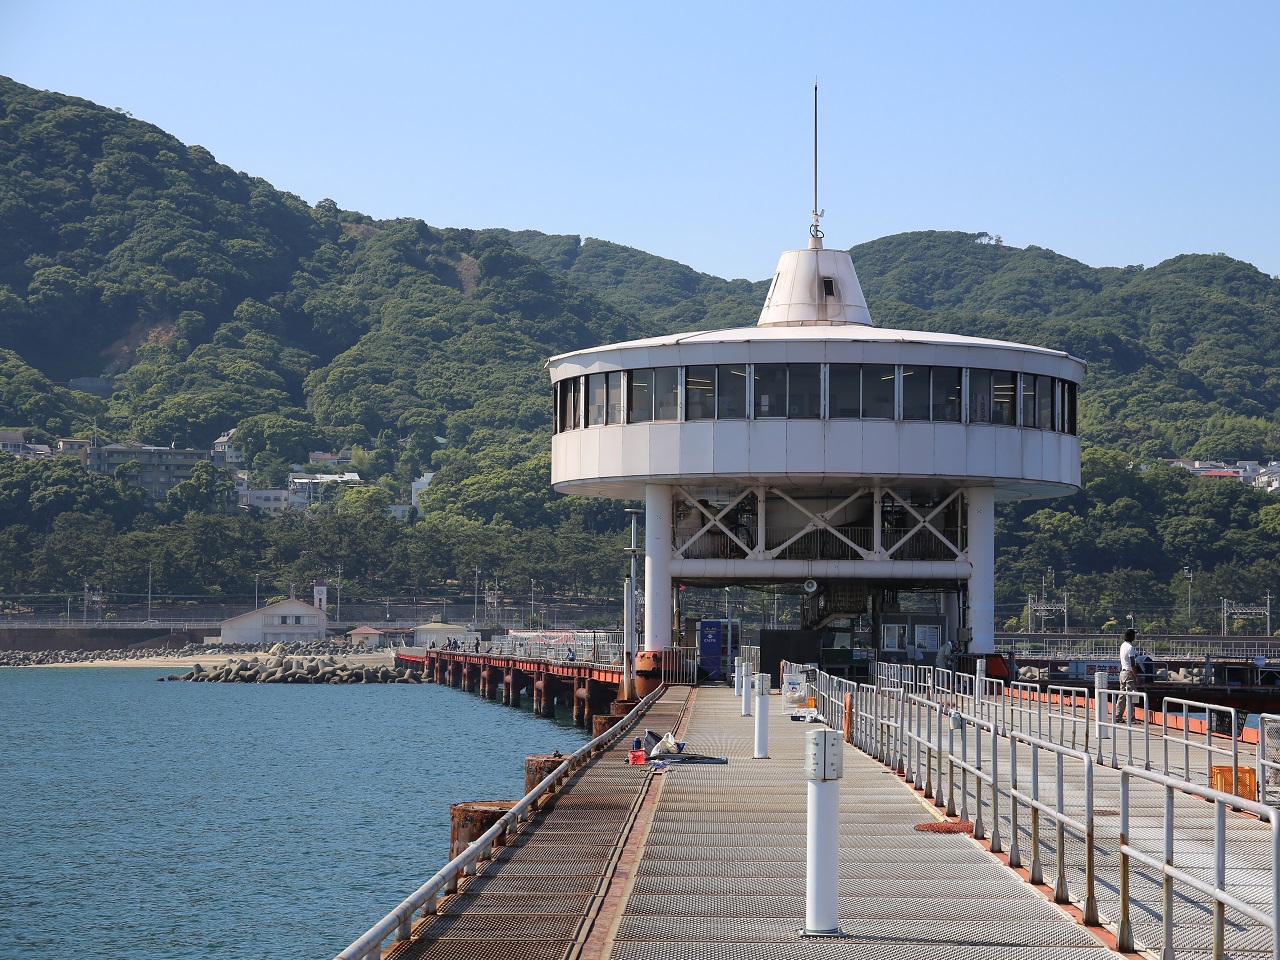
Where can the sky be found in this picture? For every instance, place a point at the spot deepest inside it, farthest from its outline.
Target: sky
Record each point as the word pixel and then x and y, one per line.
pixel 1116 133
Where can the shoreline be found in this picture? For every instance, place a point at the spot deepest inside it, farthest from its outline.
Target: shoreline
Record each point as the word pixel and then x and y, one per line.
pixel 183 664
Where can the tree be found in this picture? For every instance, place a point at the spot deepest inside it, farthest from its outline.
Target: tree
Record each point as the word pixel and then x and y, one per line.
pixel 207 490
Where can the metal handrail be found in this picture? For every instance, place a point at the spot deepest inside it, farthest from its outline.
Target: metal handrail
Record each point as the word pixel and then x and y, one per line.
pixel 1169 873
pixel 1183 709
pixel 1267 762
pixel 400 920
pixel 1108 727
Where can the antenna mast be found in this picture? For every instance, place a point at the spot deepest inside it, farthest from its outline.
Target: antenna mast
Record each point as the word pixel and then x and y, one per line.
pixel 815 232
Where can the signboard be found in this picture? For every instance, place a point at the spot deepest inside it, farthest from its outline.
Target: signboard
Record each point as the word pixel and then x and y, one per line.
pixel 795 692
pixel 710 647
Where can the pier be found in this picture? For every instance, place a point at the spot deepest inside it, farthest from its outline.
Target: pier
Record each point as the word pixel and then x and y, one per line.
pixel 972 837
pixel 585 687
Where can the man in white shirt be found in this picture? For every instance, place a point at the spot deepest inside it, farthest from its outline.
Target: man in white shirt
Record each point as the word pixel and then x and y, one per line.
pixel 1126 704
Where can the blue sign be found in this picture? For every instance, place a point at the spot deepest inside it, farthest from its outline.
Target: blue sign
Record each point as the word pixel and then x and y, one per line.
pixel 710 647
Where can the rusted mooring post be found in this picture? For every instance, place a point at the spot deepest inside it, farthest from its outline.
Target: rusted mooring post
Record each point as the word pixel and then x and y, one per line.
pixel 470 820
pixel 537 767
pixel 602 722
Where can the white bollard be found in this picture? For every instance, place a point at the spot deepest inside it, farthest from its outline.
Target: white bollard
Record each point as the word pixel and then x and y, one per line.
pixel 762 716
pixel 824 766
pixel 746 692
pixel 737 676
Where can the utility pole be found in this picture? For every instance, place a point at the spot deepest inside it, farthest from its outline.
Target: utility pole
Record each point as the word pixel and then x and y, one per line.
pixel 338 612
pixel 148 589
pixel 256 578
pixel 475 603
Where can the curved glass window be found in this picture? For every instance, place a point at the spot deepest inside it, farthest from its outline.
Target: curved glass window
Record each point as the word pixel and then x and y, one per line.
pixel 700 393
pixel 597 403
pixel 731 391
pixel 915 393
pixel 878 391
pixel 640 396
pixel 844 393
pixel 804 390
pixel 770 384
pixel 945 394
pixel 872 391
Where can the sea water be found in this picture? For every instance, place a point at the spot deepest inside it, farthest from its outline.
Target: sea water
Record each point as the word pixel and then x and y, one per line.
pixel 233 821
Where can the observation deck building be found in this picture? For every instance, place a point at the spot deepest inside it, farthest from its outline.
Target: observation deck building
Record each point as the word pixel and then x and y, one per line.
pixel 818 449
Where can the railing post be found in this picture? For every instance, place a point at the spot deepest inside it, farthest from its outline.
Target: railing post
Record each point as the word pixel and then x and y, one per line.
pixel 1015 853
pixel 1090 872
pixel 1124 933
pixel 1219 875
pixel 954 722
pixel 1100 705
pixel 1035 872
pixel 1060 894
pixel 1166 949
pixel 996 845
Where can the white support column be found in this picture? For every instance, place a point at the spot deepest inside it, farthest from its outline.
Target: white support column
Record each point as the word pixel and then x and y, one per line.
pixel 657 566
pixel 951 610
pixel 981 503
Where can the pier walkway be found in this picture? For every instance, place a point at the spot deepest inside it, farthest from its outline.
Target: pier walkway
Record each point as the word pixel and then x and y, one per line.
pixel 703 862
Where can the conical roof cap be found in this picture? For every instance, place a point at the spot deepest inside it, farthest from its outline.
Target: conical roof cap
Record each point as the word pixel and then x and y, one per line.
pixel 815 287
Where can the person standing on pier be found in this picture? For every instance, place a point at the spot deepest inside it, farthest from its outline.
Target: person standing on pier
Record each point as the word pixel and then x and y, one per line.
pixel 1125 705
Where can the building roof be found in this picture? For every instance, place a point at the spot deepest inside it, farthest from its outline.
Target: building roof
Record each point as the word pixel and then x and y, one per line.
pixel 280 607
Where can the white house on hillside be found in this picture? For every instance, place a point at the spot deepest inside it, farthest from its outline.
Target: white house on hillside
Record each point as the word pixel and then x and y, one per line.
pixel 276 623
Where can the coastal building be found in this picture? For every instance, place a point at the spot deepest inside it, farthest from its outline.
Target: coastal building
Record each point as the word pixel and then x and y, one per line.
pixel 15 442
pixel 849 463
pixel 278 622
pixel 418 491
pixel 225 453
pixel 75 447
pixel 437 635
pixel 366 636
pixel 157 468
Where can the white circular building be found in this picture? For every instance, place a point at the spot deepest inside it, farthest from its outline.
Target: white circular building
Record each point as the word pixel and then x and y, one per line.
pixel 816 448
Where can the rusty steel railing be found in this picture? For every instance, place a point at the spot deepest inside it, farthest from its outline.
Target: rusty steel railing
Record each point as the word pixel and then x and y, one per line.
pixel 1216 889
pixel 399 922
pixel 997 769
pixel 1178 736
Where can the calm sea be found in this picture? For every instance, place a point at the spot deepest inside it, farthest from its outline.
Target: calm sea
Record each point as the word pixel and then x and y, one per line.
pixel 238 821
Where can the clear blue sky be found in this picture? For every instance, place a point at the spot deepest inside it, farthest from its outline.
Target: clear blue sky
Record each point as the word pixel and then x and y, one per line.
pixel 1112 132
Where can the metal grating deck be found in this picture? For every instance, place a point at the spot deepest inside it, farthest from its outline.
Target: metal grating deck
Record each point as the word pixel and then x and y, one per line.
pixel 722 872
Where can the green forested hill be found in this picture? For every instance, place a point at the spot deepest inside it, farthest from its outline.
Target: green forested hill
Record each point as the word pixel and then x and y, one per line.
pixel 215 300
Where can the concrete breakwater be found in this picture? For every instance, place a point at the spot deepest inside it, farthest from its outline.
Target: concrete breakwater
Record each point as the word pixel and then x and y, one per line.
pixel 48 658
pixel 285 669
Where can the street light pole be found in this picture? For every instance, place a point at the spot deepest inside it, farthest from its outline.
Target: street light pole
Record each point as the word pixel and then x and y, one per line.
pixel 256 578
pixel 148 589
pixel 475 602
pixel 1191 578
